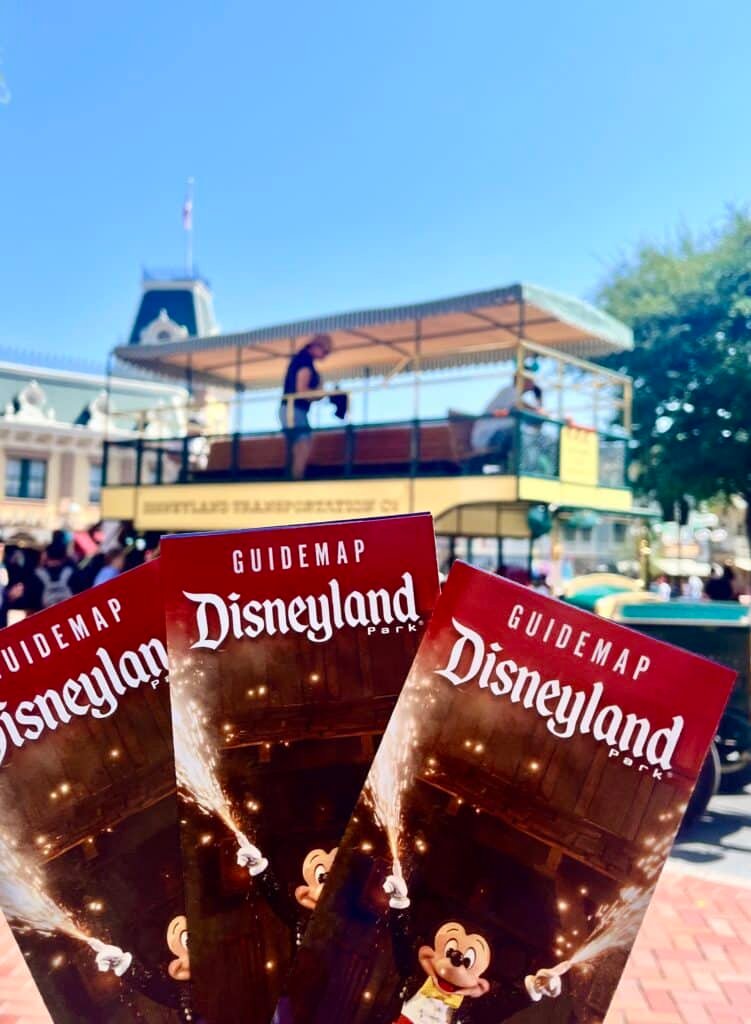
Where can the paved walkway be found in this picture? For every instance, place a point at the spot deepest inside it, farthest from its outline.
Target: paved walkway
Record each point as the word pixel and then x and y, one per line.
pixel 691 963
pixel 20 1003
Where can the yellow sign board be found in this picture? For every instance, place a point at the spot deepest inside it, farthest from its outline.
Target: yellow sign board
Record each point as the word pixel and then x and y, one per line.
pixel 238 506
pixel 232 506
pixel 580 456
pixel 476 504
pixel 553 492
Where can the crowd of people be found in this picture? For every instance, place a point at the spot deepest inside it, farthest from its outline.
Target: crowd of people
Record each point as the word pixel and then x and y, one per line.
pixel 721 585
pixel 31 580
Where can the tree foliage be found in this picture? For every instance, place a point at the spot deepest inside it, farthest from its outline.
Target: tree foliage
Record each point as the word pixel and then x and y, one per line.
pixel 689 304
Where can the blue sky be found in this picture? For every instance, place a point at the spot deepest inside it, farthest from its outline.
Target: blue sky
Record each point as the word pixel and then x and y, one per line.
pixel 351 155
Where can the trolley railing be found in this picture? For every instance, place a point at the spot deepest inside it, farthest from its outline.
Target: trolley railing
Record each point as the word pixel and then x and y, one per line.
pixel 523 444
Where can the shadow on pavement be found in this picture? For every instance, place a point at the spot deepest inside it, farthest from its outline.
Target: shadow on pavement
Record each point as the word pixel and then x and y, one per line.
pixel 722 834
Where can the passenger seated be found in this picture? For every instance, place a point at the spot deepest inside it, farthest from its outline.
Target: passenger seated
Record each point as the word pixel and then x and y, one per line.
pixel 493 432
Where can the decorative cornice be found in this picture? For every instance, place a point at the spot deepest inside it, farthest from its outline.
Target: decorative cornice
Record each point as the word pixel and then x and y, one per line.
pixel 162 329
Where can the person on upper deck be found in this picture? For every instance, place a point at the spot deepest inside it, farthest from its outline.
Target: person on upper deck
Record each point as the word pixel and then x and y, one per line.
pixel 494 430
pixel 302 375
pixel 721 585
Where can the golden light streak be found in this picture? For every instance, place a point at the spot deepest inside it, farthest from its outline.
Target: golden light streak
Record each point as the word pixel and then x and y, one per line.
pixel 618 922
pixel 391 774
pixel 24 900
pixel 195 758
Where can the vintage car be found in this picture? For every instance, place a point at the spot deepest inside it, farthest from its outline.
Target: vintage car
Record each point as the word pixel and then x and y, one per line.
pixel 720 630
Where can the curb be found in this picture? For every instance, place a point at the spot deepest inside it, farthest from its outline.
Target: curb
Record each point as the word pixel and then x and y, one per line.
pixel 676 867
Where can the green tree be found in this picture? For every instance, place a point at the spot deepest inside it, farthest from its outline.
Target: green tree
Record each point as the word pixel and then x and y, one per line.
pixel 689 304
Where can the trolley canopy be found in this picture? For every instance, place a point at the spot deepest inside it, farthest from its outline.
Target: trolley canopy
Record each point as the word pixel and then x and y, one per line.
pixel 481 327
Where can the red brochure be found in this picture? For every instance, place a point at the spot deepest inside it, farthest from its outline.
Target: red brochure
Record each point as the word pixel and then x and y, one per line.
pixel 288 650
pixel 90 872
pixel 515 820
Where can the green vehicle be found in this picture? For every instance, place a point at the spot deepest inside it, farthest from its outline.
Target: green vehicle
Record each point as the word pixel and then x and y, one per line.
pixel 720 630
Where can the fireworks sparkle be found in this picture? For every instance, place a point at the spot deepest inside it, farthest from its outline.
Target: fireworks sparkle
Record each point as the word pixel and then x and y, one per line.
pixel 25 901
pixel 618 922
pixel 391 774
pixel 617 925
pixel 196 762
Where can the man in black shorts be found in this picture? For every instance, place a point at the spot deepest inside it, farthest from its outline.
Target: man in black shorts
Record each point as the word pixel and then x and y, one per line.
pixel 302 376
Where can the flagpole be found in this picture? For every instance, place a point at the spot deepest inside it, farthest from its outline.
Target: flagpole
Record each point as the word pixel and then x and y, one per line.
pixel 188 225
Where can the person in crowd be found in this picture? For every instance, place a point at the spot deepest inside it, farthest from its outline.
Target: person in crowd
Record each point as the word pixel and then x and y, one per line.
pixel 518 574
pixel 302 375
pixel 114 562
pixel 54 579
pixel 151 549
pixel 10 589
pixel 540 585
pixel 662 588
pixel 88 569
pixel 721 585
pixel 694 589
pixel 494 431
pixel 17 566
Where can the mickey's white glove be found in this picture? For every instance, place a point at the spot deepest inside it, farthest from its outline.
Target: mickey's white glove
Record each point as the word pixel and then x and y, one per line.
pixel 111 958
pixel 396 889
pixel 544 983
pixel 250 857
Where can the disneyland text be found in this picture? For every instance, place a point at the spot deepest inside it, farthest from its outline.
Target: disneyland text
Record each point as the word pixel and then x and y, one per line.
pixel 316 616
pixel 567 710
pixel 96 692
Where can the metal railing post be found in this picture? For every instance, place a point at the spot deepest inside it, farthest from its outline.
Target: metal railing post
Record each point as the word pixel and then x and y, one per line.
pixel 235 451
pixel 414 448
pixel 516 454
pixel 139 460
pixel 558 428
pixel 184 458
pixel 349 448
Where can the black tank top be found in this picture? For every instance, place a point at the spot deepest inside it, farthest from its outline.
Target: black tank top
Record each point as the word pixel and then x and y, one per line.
pixel 301 360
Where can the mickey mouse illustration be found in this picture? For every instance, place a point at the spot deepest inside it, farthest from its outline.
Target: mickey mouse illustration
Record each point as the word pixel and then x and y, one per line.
pixel 453 968
pixel 153 983
pixel 315 870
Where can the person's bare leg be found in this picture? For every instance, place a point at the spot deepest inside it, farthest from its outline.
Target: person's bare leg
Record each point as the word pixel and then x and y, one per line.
pixel 300 456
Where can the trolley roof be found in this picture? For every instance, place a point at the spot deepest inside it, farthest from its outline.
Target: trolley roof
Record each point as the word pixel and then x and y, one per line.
pixel 466 329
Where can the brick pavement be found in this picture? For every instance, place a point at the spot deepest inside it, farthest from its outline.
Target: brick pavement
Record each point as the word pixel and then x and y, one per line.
pixel 20 1003
pixel 691 963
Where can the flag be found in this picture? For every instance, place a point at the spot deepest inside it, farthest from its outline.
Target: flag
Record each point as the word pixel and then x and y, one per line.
pixel 188 213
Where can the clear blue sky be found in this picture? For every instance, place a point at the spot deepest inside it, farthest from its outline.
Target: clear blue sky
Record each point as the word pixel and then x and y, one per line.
pixel 351 154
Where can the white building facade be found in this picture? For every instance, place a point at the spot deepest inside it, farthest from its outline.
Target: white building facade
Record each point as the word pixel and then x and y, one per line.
pixel 53 425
